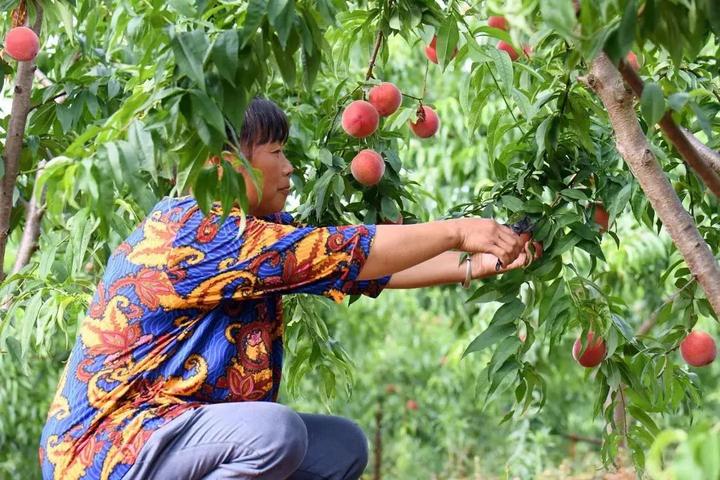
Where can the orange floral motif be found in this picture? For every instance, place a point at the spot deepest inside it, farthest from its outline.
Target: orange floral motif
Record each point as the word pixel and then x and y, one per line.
pixel 150 286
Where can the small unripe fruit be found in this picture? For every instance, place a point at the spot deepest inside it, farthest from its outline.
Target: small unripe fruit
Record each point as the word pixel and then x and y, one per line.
pixel 427 126
pixel 367 167
pixel 431 51
pixel 601 217
pixel 360 119
pixel 698 349
pixel 386 98
pixel 632 59
pixel 22 44
pixel 506 47
pixel 498 21
pixel 594 352
pixel 411 405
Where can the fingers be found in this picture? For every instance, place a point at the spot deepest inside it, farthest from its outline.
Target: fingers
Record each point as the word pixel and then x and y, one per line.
pixel 526 257
pixel 502 253
pixel 511 242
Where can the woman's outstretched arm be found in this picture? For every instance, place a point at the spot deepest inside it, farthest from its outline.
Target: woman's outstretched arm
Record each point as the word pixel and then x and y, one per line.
pixel 397 248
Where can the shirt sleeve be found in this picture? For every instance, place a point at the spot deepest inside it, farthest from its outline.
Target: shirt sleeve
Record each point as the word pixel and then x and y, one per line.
pixel 211 261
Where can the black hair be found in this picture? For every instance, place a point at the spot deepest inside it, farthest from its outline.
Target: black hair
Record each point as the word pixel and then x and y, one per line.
pixel 264 123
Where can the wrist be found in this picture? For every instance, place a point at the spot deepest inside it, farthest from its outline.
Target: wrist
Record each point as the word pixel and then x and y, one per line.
pixel 453 234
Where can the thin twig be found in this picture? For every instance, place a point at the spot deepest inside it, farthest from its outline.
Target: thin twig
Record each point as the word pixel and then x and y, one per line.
pixel 373 58
pixel 505 100
pixel 649 323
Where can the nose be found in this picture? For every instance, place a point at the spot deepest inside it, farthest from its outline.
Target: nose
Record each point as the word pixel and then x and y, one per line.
pixel 287 168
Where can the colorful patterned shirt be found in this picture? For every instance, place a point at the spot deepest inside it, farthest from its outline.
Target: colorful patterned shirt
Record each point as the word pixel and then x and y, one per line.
pixel 188 312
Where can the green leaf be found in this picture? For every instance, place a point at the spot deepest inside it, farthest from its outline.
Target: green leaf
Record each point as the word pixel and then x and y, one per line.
pixel 447 40
pixel 14 348
pixel 205 188
pixel 574 194
pixel 389 209
pixel 142 142
pixel 253 18
pixel 225 54
pixel 623 327
pixel 652 103
pixel 285 62
pixel 32 311
pixel 281 14
pixel 712 9
pixel 205 107
pixel 190 49
pixel 507 348
pixel 512 203
pixel 502 325
pixel 678 100
pixel 621 39
pixel 560 15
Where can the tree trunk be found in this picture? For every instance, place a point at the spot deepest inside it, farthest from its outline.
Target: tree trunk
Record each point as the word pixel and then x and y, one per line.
pixel 632 144
pixel 14 142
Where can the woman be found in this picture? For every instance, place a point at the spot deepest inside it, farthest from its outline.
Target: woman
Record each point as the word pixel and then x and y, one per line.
pixel 176 368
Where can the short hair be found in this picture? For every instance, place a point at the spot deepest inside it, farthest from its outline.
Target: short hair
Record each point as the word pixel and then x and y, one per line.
pixel 264 122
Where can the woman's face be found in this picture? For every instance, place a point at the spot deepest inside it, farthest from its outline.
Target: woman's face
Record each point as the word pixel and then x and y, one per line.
pixel 270 159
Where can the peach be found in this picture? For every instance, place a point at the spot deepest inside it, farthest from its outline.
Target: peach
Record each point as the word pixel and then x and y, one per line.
pixel 498 21
pixel 632 60
pixel 698 349
pixel 594 352
pixel 411 405
pixel 386 98
pixel 427 126
pixel 367 167
pixel 22 44
pixel 506 47
pixel 601 217
pixel 431 50
pixel 360 119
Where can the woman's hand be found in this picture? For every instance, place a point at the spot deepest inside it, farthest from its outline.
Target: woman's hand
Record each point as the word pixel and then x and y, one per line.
pixel 483 264
pixel 486 236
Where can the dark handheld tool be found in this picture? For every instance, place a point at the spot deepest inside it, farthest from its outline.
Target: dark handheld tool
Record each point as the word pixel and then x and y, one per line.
pixel 524 225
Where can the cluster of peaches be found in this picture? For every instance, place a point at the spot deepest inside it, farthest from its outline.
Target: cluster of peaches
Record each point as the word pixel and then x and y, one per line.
pixel 361 118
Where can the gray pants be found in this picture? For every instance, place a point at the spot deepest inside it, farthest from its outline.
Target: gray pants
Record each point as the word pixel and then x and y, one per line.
pixel 252 440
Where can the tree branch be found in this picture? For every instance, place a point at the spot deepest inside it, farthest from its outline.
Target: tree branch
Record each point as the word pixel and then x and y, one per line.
pixel 31 232
pixel 635 150
pixel 14 143
pixel 373 58
pixel 709 155
pixel 676 136
pixel 579 438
